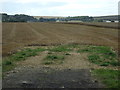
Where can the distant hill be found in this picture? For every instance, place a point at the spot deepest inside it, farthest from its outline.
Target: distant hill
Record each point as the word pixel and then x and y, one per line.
pixel 111 17
pixel 37 17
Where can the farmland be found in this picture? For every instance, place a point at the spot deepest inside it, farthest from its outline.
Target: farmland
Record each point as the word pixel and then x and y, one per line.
pixel 18 35
pixel 60 55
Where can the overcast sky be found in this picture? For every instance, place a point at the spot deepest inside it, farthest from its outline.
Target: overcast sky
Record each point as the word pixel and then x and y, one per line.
pixel 60 7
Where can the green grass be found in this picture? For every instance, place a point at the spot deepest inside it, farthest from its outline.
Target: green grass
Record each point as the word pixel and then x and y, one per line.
pixel 101 55
pixel 53 59
pixel 67 54
pixel 108 77
pixel 6 68
pixel 60 49
pixel 96 49
pixel 94 58
pixel 9 62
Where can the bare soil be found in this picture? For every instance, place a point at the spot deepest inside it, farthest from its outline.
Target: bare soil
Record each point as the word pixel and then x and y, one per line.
pixel 18 35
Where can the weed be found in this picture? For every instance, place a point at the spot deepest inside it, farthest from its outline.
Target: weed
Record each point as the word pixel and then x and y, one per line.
pixel 53 59
pixel 48 62
pixel 60 49
pixel 7 63
pixel 108 77
pixel 67 54
pixel 105 64
pixel 115 63
pixel 7 66
pixel 94 58
pixel 39 50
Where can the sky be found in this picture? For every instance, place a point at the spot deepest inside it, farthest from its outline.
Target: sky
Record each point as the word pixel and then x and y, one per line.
pixel 60 7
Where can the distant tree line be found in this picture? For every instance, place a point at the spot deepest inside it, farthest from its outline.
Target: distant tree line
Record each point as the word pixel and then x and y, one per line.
pixel 24 18
pixel 47 19
pixel 81 18
pixel 17 18
pixel 27 18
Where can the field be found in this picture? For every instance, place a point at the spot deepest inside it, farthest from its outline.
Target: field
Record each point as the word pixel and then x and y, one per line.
pixel 60 55
pixel 18 35
pixel 98 24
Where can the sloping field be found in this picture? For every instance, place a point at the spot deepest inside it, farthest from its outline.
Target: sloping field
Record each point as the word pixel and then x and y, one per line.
pixel 96 24
pixel 18 35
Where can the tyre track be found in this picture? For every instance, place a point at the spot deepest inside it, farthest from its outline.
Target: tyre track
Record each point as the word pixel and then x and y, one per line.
pixel 50 33
pixel 12 34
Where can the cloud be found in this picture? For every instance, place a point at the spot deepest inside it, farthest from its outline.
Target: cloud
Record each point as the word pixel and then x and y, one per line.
pixel 60 7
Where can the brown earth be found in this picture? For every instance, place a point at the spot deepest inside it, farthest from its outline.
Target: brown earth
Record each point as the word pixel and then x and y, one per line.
pixel 17 35
pixel 75 72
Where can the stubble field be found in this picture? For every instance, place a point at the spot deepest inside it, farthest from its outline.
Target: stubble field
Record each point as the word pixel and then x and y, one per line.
pixel 18 35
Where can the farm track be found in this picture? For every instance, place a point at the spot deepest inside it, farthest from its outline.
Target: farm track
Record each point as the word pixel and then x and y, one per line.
pixel 75 72
pixel 12 33
pixel 17 35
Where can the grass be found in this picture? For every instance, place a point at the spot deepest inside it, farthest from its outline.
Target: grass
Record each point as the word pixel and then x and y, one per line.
pixel 93 58
pixel 108 77
pixel 101 55
pixel 9 62
pixel 67 54
pixel 53 59
pixel 60 49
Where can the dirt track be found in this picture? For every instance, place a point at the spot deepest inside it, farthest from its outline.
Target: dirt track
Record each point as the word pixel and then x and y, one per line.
pixel 50 78
pixel 16 35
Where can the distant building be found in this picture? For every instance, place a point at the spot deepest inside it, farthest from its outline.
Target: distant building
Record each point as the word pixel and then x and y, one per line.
pixel 116 21
pixel 108 21
pixel 57 20
pixel 75 21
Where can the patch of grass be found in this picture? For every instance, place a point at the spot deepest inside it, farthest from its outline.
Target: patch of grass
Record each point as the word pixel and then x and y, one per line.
pixel 7 66
pixel 108 77
pixel 39 50
pixel 9 63
pixel 67 54
pixel 94 58
pixel 115 63
pixel 96 49
pixel 53 59
pixel 60 49
pixel 84 50
pixel 101 55
pixel 22 55
pixel 105 64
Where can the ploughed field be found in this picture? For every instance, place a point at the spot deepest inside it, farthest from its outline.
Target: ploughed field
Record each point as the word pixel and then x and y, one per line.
pixel 18 35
